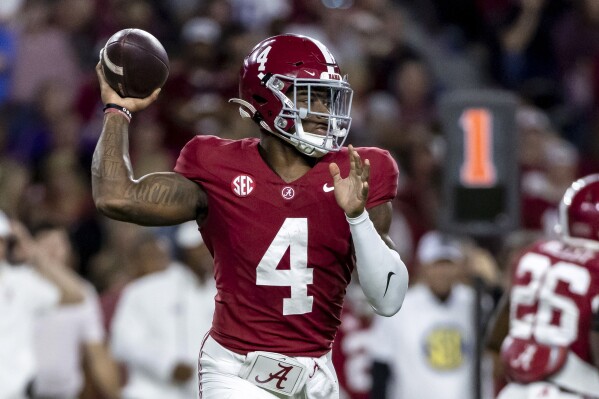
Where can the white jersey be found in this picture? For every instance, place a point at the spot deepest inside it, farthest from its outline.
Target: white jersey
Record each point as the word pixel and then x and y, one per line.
pixel 429 345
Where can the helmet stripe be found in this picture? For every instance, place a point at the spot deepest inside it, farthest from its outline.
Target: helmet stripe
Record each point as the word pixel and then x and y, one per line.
pixel 328 57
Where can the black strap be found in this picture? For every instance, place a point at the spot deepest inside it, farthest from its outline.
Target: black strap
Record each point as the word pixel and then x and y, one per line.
pixel 120 108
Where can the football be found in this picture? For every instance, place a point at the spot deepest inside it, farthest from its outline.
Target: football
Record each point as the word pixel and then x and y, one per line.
pixel 134 63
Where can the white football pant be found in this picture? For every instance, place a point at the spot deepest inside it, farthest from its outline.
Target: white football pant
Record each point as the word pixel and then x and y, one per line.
pixel 219 369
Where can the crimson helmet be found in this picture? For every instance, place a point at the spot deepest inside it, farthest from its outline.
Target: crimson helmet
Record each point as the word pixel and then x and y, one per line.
pixel 579 213
pixel 283 69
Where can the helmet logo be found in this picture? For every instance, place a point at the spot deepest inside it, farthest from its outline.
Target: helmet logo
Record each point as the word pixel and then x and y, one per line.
pixel 288 192
pixel 243 185
pixel 262 59
pixel 330 76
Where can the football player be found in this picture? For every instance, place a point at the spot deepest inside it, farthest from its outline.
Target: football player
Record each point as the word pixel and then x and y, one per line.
pixel 286 218
pixel 551 311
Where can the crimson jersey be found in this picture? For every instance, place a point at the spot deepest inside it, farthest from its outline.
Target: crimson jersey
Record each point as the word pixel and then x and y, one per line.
pixel 554 295
pixel 282 251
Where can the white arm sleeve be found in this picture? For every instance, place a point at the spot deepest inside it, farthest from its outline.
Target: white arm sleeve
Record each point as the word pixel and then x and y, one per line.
pixel 383 275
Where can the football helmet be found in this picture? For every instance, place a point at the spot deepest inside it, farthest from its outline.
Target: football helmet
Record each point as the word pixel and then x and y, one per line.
pixel 579 213
pixel 288 80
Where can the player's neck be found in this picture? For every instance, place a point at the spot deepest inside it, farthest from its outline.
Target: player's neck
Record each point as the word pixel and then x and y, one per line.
pixel 284 159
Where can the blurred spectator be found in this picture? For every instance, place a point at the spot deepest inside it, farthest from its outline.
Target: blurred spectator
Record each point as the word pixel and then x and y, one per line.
pixel 140 14
pixel 196 91
pixel 46 125
pixel 26 292
pixel 77 18
pixel 148 153
pixel 14 179
pixel 542 190
pixel 534 128
pixel 412 83
pixel 68 336
pixel 194 254
pixel 427 350
pixel 9 8
pixel 44 53
pixel 576 42
pixel 8 50
pixel 525 44
pixel 158 337
pixel 128 253
pixel 418 198
pixel 258 15
pixel 392 44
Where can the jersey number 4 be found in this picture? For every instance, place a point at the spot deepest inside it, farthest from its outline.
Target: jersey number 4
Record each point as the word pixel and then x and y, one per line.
pixel 541 291
pixel 293 234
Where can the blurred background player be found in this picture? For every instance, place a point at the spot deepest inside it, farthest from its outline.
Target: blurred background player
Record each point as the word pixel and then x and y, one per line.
pixel 161 317
pixel 291 86
pixel 427 350
pixel 552 344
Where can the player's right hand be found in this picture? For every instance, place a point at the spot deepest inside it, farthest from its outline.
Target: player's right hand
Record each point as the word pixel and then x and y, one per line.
pixel 111 96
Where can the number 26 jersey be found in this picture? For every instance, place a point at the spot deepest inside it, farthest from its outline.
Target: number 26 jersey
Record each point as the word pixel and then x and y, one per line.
pixel 553 300
pixel 282 251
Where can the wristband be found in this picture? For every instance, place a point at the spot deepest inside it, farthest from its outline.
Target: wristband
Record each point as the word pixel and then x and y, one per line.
pixel 110 106
pixel 358 219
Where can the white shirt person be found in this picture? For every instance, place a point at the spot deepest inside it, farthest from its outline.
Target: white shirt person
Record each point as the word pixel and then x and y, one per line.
pixel 158 328
pixel 32 284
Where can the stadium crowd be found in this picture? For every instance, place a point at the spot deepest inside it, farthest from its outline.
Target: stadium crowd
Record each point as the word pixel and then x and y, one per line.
pixel 400 56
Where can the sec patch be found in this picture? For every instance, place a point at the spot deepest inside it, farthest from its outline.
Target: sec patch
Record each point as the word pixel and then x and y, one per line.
pixel 243 185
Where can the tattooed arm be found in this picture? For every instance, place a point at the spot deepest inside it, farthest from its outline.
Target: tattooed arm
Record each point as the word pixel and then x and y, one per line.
pixel 155 199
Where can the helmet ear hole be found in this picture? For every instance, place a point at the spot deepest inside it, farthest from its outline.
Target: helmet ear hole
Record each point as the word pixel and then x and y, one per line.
pixel 259 99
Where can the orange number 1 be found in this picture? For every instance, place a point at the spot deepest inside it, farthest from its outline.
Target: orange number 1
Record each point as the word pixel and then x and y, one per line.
pixel 478 168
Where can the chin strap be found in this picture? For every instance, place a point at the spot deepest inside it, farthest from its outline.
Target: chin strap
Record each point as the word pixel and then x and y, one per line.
pixel 251 113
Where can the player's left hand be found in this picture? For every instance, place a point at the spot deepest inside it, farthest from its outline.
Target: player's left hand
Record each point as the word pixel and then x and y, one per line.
pixel 351 192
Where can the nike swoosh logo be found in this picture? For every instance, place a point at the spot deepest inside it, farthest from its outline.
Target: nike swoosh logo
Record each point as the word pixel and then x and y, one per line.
pixel 327 189
pixel 311 73
pixel 388 280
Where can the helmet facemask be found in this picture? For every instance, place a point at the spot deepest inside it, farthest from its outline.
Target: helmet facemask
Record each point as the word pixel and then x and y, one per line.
pixel 298 98
pixel 322 102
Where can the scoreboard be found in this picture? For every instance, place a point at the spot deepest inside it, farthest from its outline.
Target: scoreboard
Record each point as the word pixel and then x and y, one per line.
pixel 480 175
